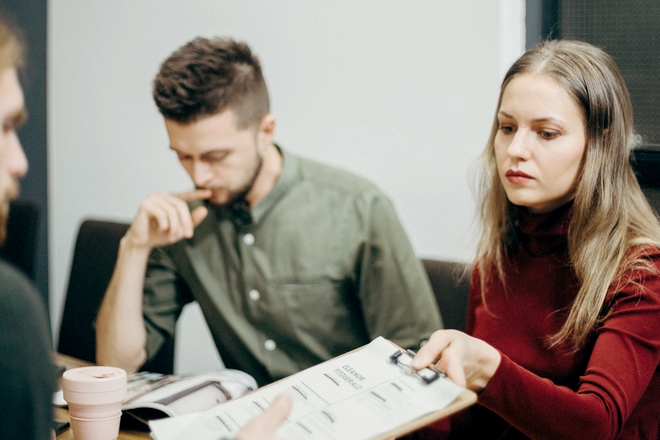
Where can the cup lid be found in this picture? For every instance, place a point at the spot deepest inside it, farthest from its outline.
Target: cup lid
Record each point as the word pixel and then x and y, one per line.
pixel 94 379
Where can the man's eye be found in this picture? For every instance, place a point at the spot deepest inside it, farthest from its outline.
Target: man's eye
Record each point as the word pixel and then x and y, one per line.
pixel 215 159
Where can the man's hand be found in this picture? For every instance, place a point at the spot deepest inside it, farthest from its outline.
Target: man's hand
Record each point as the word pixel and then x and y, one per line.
pixel 120 331
pixel 263 426
pixel 164 218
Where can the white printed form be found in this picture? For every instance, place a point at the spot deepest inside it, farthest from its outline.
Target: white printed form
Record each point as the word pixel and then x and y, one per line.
pixel 360 395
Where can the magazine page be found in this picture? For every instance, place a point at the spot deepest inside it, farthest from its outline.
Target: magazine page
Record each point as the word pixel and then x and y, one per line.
pixel 154 396
pixel 360 395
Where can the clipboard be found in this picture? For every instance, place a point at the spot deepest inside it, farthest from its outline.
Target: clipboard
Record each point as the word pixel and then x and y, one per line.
pixel 428 374
pixel 403 357
pixel 376 396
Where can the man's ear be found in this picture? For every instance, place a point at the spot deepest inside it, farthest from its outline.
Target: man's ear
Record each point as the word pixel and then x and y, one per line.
pixel 266 131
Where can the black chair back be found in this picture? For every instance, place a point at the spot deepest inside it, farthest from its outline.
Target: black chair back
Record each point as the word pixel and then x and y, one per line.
pixel 450 286
pixel 20 246
pixel 94 259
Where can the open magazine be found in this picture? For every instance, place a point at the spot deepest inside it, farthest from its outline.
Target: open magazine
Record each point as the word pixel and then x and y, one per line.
pixel 155 396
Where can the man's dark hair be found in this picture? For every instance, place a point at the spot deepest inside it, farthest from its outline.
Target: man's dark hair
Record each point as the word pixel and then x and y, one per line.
pixel 207 76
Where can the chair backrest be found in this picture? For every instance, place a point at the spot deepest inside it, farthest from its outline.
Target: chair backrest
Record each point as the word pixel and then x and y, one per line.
pixel 450 286
pixel 93 262
pixel 653 196
pixel 646 164
pixel 20 246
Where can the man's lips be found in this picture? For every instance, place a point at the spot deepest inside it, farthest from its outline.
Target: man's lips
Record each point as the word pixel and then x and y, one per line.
pixel 517 177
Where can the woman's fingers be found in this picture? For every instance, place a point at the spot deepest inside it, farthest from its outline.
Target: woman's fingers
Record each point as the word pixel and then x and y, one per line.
pixel 452 361
pixel 448 346
pixel 430 351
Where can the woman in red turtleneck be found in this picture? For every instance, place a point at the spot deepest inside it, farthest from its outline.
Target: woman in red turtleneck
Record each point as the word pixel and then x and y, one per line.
pixel 563 325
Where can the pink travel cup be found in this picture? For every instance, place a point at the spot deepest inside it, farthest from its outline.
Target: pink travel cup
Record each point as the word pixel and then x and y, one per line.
pixel 95 395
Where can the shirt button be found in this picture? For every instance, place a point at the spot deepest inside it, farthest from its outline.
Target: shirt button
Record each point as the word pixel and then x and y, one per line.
pixel 254 295
pixel 270 345
pixel 248 239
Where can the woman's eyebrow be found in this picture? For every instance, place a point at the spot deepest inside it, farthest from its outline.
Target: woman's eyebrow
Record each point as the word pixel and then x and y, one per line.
pixel 543 119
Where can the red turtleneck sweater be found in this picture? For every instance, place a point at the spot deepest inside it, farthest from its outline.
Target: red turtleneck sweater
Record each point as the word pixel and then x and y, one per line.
pixel 610 389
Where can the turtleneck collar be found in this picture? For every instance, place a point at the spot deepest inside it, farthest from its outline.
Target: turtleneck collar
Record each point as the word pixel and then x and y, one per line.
pixel 541 234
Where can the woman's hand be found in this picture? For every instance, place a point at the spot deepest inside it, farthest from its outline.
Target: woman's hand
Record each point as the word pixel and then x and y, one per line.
pixel 468 361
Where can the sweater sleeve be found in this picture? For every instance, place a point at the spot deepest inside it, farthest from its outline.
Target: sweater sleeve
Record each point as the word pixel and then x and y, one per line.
pixel 623 363
pixel 474 298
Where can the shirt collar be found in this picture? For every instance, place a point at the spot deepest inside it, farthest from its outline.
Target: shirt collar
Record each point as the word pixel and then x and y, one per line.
pixel 289 176
pixel 240 214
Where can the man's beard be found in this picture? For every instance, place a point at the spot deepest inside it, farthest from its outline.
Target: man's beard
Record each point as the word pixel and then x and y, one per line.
pixel 11 193
pixel 241 192
pixel 4 214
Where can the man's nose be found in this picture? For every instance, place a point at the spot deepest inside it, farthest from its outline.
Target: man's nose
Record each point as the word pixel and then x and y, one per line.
pixel 201 174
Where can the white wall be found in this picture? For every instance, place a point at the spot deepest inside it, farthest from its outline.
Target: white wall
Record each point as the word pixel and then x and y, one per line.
pixel 400 92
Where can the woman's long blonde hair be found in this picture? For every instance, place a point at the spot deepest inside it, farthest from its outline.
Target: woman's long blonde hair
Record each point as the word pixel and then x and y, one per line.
pixel 610 214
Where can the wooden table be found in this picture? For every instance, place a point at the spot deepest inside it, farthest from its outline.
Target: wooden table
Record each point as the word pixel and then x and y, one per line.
pixel 62 414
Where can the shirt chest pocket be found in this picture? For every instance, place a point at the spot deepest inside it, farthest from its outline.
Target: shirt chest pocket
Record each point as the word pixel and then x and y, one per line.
pixel 303 295
pixel 318 307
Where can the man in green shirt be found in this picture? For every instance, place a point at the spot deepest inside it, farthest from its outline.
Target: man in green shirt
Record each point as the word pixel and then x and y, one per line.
pixel 292 262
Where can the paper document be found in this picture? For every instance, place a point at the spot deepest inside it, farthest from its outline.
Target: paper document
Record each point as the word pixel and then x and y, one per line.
pixel 360 395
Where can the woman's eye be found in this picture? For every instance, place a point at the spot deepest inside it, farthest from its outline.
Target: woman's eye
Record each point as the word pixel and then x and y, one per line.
pixel 506 129
pixel 548 134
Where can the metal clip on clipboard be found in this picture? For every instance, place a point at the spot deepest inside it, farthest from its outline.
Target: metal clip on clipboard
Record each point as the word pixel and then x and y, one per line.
pixel 404 358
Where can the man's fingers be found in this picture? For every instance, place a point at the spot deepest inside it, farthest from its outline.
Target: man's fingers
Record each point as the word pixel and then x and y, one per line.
pixel 196 194
pixel 279 410
pixel 265 424
pixel 173 215
pixel 157 213
pixel 165 218
pixel 198 215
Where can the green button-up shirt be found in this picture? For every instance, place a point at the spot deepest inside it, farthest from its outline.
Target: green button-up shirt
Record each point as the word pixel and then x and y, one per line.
pixel 324 267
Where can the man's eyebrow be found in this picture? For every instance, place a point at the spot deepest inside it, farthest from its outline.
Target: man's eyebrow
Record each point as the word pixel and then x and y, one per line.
pixel 222 151
pixel 216 151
